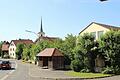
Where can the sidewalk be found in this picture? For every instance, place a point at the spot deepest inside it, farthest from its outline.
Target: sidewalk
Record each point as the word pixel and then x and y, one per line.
pixel 35 71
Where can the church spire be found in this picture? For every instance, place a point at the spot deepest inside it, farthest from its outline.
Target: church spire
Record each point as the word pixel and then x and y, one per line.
pixel 41 29
pixel 41 33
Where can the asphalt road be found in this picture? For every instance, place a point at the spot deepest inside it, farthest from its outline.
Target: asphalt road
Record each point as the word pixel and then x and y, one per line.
pixel 25 71
pixel 4 73
pixel 20 71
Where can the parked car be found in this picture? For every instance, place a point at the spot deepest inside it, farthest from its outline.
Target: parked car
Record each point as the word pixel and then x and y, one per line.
pixel 6 65
pixel 0 64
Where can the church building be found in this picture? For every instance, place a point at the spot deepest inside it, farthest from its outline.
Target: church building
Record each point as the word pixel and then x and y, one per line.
pixel 41 35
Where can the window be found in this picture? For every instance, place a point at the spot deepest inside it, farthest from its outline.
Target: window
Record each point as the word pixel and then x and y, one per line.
pixel 10 49
pixel 100 33
pixel 13 49
pixel 11 44
pixel 94 34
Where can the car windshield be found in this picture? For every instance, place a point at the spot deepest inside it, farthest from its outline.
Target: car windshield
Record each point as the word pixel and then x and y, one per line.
pixel 5 62
pixel 0 61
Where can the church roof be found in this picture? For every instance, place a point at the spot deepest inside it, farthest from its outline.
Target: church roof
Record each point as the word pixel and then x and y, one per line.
pixel 42 38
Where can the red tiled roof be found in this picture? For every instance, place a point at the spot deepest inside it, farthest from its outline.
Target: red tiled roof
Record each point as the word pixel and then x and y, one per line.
pixel 50 52
pixel 5 46
pixel 22 41
pixel 47 38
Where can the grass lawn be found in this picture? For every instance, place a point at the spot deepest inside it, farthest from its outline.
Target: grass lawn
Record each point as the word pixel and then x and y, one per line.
pixel 87 75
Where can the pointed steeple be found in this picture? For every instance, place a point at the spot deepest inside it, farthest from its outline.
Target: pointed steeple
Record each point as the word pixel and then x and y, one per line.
pixel 41 33
pixel 41 29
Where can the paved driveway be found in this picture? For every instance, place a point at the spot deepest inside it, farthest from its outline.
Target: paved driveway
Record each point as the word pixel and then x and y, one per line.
pixel 35 71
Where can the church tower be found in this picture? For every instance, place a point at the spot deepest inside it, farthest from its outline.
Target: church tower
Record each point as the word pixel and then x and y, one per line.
pixel 41 33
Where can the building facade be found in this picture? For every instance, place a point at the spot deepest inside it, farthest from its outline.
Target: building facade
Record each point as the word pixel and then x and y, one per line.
pixel 13 45
pixel 98 29
pixel 5 49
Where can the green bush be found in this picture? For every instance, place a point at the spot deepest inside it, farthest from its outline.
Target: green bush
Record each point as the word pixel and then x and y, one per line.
pixel 108 70
pixel 6 56
pixel 111 70
pixel 76 65
pixel 85 70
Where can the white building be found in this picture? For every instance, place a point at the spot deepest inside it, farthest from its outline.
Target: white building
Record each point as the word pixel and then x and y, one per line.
pixel 13 45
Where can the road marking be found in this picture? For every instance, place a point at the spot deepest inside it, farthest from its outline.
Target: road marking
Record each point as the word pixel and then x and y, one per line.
pixel 6 76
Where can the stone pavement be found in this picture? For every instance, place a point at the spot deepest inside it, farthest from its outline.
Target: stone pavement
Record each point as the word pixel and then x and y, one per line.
pixel 35 71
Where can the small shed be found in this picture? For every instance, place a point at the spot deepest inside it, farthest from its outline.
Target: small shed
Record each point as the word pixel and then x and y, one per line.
pixel 51 58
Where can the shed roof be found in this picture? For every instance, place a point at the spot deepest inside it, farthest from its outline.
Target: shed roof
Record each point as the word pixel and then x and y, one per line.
pixel 50 52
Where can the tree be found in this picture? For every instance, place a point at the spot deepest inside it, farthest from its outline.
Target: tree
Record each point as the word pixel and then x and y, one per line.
pixel 1 48
pixel 67 48
pixel 84 51
pixel 36 48
pixel 19 50
pixel 110 49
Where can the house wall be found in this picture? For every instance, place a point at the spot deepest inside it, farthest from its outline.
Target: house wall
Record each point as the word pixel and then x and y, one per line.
pixel 58 62
pixel 40 63
pixel 50 64
pixel 94 28
pixel 12 49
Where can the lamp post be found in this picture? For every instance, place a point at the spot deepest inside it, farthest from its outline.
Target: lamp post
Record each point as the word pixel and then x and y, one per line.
pixel 35 58
pixel 32 32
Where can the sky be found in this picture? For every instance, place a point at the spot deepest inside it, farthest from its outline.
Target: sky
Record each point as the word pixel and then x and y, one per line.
pixel 59 17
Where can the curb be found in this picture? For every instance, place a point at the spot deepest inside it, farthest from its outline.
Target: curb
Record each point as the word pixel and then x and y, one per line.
pixel 61 78
pixel 71 78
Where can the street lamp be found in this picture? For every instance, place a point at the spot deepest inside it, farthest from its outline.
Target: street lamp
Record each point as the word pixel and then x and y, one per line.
pixel 32 32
